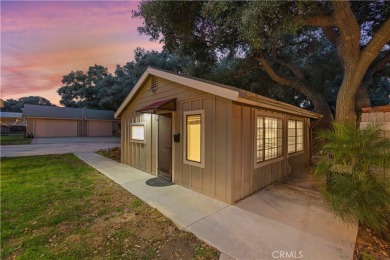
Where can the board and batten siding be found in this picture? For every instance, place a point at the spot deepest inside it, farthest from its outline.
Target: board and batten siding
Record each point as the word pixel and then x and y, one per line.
pixel 247 179
pixel 212 180
pixel 139 155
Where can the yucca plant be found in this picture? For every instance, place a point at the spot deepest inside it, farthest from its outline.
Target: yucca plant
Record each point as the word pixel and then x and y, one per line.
pixel 356 165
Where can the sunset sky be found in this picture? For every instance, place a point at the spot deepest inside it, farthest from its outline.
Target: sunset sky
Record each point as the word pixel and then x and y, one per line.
pixel 43 40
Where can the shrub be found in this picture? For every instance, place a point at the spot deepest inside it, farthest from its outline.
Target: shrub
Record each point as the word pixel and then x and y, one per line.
pixel 356 165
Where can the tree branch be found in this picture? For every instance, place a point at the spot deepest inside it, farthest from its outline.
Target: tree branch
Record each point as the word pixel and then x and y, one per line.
pixel 331 34
pixel 362 97
pixel 374 68
pixel 314 96
pixel 295 69
pixel 376 44
pixel 274 76
pixel 381 63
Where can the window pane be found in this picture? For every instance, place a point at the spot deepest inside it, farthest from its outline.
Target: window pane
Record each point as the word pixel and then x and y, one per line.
pixel 291 136
pixel 273 138
pixel 193 123
pixel 299 136
pixel 260 138
pixel 138 132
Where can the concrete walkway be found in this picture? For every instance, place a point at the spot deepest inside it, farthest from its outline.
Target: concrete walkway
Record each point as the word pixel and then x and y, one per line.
pixel 281 221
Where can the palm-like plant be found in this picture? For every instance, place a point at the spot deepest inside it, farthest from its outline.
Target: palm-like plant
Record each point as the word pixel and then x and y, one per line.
pixel 357 169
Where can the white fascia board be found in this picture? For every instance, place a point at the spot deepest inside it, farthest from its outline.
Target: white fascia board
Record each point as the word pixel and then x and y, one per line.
pixel 132 93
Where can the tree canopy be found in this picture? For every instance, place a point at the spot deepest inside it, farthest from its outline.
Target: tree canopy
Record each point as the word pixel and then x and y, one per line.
pixel 16 105
pixel 282 37
pixel 99 89
pixel 84 89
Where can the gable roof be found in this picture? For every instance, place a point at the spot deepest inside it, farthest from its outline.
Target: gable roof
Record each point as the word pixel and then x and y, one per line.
pixel 10 115
pixel 221 90
pixel 66 112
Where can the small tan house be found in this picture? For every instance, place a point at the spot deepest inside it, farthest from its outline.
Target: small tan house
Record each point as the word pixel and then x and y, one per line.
pixel 221 141
pixel 51 121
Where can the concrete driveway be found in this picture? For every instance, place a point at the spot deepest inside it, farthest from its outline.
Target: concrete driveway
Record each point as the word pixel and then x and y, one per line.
pixel 44 146
pixel 279 222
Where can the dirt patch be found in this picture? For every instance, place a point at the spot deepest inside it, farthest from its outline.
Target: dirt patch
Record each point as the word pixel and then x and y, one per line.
pixel 369 245
pixel 113 153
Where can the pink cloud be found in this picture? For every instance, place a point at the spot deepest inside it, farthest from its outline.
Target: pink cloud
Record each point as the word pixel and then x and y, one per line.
pixel 42 41
pixel 43 15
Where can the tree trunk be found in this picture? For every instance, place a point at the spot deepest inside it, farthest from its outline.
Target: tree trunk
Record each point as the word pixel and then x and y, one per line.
pixel 355 59
pixel 355 76
pixel 345 104
pixel 362 98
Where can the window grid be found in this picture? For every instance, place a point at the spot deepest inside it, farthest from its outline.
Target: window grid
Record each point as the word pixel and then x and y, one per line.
pixel 295 136
pixel 291 136
pixel 260 139
pixel 299 136
pixel 269 138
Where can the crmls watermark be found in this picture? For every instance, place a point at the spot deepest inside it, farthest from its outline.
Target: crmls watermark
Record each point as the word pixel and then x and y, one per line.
pixel 287 254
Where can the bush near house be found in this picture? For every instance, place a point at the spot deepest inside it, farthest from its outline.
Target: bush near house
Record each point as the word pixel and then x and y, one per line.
pixel 356 166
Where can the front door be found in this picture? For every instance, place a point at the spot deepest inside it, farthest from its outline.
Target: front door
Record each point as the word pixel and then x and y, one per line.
pixel 165 146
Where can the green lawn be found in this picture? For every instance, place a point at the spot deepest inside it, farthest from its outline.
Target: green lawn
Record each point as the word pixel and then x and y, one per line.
pixel 14 139
pixel 57 207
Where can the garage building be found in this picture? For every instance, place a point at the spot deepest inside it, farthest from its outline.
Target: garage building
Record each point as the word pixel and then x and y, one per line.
pixel 50 121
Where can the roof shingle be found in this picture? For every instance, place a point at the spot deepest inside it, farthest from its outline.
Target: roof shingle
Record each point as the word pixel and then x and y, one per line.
pixel 66 112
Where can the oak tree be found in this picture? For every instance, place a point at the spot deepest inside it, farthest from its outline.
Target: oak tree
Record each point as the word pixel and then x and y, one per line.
pixel 16 105
pixel 358 31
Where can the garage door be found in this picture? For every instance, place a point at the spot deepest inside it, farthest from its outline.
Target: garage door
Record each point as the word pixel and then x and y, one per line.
pixel 99 128
pixel 55 128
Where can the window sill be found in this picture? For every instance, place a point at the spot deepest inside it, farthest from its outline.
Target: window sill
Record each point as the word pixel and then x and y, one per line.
pixel 294 154
pixel 137 141
pixel 192 163
pixel 271 161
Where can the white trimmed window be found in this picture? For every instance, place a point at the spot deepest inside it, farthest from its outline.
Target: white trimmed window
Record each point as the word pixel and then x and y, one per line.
pixel 269 138
pixel 295 136
pixel 194 139
pixel 137 132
